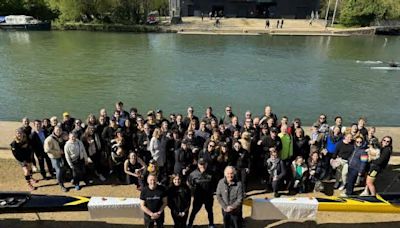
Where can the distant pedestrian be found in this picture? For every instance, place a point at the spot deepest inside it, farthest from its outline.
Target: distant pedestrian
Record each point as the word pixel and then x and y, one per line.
pixel 202 16
pixel 267 24
pixel 281 23
pixel 210 15
pixel 277 24
pixel 215 15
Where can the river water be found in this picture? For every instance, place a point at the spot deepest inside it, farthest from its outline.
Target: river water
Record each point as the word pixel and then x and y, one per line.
pixel 46 73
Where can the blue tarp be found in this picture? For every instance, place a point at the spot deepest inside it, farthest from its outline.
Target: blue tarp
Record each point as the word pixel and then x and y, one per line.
pixel 2 19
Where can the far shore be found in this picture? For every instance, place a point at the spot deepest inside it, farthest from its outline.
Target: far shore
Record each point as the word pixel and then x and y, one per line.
pixel 8 130
pixel 227 26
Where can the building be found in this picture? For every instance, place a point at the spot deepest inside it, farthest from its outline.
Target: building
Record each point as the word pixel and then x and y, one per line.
pixel 298 9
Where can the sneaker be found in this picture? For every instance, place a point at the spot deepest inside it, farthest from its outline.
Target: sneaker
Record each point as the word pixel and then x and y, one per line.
pixel 211 226
pixel 102 178
pixel 341 187
pixel 277 195
pixel 365 192
pixel 34 169
pixel 343 194
pixel 296 183
pixel 336 185
pixel 64 189
pixel 77 187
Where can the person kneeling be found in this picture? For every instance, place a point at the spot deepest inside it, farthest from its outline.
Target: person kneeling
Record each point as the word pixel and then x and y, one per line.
pixel 276 170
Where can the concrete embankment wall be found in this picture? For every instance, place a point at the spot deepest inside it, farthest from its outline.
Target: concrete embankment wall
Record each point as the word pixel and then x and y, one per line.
pixel 8 131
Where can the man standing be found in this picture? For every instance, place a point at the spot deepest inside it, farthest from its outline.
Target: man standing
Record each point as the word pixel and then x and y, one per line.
pixel 53 149
pixel 201 182
pixel 153 200
pixel 230 197
pixel 37 138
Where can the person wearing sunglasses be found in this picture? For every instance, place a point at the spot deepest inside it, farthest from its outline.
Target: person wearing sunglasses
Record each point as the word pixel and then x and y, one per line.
pixel 357 164
pixel 378 165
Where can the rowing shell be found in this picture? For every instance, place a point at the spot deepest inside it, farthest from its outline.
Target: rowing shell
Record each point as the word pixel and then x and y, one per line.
pixel 291 207
pixel 385 68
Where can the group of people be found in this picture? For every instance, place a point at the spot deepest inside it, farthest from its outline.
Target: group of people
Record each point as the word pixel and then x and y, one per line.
pixel 200 156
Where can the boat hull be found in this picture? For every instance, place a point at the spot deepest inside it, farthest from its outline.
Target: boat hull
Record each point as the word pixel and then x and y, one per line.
pixel 43 26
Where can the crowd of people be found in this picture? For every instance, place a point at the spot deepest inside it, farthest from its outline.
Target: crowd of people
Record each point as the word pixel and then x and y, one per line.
pixel 170 159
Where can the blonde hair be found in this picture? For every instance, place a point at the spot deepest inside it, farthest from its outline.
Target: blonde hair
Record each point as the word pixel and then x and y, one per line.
pixel 157 133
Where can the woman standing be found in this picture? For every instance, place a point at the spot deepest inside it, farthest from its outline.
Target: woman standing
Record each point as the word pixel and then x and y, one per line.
pixel 23 153
pixel 155 149
pixel 378 165
pixel 92 143
pixel 179 196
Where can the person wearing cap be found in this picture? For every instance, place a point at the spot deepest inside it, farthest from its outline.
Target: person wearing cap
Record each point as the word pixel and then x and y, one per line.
pixel 230 196
pixel 273 141
pixel 201 181
pixel 67 123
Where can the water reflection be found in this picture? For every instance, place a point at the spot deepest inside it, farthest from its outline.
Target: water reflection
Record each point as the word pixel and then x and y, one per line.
pixel 19 37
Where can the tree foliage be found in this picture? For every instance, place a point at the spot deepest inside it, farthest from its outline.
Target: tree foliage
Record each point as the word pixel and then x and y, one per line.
pixel 364 12
pixel 101 11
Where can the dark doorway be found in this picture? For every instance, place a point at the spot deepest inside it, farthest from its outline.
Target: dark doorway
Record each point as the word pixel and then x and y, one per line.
pixel 190 10
pixel 219 10
pixel 265 10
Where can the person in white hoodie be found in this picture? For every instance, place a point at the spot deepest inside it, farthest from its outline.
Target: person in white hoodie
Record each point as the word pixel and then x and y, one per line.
pixel 77 158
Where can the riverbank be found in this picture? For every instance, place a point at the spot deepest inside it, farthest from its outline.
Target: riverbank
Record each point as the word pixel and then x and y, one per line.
pixel 227 26
pixel 11 180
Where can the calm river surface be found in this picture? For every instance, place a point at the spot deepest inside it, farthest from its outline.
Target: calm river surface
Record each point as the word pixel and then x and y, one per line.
pixel 47 73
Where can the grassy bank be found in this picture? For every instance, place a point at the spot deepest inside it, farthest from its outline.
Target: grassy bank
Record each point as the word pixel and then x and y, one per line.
pixel 108 27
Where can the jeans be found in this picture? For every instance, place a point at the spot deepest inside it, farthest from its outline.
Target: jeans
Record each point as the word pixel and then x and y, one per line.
pixel 351 180
pixel 58 165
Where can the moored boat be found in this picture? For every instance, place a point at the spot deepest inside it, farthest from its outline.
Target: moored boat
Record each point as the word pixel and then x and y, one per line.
pixel 23 22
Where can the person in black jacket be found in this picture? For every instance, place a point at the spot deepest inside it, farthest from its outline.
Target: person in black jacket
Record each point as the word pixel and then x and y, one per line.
pixel 378 165
pixel 22 151
pixel 183 160
pixel 343 152
pixel 201 181
pixel 179 197
pixel 243 163
pixel 37 138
